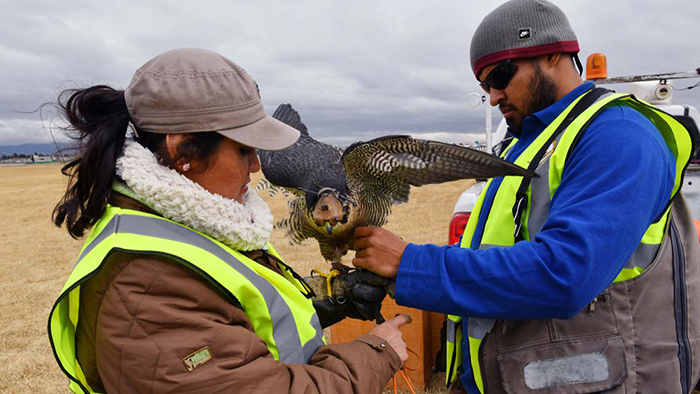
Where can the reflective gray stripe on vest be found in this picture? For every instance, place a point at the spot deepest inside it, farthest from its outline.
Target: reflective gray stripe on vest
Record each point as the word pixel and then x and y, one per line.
pixel 643 256
pixel 284 328
pixel 539 198
pixel 109 229
pixel 311 346
pixel 489 246
pixel 479 327
pixel 451 331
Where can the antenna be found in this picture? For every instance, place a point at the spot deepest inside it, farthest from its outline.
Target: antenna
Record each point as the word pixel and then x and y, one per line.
pixel 650 77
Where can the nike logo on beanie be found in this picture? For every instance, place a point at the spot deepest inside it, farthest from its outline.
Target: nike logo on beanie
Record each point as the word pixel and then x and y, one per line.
pixel 524 34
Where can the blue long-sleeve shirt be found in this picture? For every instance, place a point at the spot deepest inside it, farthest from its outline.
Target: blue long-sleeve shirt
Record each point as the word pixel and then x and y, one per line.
pixel 617 181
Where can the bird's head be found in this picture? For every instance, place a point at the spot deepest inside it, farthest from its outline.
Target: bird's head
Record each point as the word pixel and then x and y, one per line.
pixel 330 208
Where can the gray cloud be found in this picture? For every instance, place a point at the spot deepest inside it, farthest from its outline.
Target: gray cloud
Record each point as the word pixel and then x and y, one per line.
pixel 354 70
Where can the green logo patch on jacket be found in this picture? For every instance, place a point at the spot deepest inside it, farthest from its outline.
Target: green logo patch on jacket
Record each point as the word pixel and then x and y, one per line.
pixel 197 358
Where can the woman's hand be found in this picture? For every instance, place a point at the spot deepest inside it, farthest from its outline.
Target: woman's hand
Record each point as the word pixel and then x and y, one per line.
pixel 389 331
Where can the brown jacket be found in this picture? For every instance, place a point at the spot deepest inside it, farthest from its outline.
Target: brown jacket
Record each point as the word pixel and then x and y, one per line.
pixel 142 315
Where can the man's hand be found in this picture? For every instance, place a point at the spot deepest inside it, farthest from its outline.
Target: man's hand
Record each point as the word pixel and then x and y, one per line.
pixel 378 250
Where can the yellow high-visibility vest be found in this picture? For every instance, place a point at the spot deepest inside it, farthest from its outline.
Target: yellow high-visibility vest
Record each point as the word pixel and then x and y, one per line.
pixel 279 307
pixel 520 209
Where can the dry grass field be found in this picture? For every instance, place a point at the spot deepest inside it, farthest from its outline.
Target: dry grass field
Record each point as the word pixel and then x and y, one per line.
pixel 37 257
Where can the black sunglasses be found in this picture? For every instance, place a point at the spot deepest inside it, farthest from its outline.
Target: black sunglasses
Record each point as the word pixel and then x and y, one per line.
pixel 500 76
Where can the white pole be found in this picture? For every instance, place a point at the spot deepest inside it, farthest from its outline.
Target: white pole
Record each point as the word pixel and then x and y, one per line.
pixel 489 126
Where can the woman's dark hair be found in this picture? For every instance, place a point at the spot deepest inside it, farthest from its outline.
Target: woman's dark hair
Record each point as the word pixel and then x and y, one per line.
pixel 99 121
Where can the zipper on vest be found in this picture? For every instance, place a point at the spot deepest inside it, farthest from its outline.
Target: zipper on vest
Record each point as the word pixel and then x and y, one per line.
pixel 681 308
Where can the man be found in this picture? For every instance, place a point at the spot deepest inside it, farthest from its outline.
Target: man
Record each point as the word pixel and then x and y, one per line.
pixel 583 279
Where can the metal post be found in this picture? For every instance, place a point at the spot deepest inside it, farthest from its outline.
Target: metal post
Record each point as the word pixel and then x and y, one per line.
pixel 489 140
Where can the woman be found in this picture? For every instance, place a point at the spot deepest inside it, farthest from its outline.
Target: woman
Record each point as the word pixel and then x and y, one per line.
pixel 177 288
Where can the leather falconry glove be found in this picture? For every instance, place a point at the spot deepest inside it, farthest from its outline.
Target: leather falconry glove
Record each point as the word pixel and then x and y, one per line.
pixel 357 294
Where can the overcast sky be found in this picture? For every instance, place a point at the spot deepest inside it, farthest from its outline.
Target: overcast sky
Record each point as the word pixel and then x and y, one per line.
pixel 354 69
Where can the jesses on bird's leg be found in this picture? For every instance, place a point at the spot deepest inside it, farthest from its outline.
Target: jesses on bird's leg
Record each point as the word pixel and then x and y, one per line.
pixel 350 292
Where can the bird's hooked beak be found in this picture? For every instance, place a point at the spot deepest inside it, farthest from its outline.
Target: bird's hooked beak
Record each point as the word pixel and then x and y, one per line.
pixel 328 211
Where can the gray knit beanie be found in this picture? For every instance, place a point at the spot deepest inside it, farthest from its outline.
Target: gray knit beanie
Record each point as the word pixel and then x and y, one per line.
pixel 521 29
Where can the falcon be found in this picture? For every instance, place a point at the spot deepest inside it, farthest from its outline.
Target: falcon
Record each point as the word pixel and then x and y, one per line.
pixel 336 190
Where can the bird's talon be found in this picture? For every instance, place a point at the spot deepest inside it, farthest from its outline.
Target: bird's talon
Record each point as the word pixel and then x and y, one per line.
pixel 329 276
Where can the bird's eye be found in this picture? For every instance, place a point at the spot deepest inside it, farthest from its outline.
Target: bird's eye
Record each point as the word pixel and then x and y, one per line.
pixel 324 207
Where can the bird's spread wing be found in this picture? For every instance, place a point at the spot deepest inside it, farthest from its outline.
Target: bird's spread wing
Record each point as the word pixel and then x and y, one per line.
pixel 390 165
pixel 288 115
pixel 299 166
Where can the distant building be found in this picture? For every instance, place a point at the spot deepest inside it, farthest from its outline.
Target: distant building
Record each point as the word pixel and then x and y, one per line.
pixel 42 159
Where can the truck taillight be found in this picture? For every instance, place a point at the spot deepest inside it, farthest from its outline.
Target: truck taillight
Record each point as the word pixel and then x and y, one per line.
pixel 457 225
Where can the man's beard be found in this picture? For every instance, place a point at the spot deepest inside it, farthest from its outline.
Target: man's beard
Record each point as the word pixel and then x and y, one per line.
pixel 543 95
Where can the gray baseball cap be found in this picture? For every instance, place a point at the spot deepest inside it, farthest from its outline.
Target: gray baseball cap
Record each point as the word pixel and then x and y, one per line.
pixel 193 90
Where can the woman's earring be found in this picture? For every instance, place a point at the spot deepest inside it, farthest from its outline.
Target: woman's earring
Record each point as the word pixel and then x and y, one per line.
pixel 186 167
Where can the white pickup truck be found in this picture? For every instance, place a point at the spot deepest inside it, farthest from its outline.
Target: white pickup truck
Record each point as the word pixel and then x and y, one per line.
pixel 654 89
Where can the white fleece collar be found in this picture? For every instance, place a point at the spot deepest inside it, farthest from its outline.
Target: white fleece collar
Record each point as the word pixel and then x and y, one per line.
pixel 245 226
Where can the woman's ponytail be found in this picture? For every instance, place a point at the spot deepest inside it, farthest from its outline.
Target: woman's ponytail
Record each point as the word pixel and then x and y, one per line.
pixel 98 120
